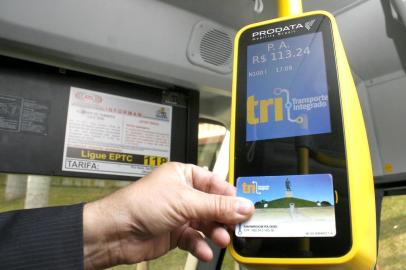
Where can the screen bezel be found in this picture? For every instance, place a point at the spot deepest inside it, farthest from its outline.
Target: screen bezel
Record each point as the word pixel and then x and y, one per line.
pixel 328 246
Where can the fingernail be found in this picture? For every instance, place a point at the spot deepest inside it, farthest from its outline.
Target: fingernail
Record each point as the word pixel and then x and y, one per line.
pixel 244 206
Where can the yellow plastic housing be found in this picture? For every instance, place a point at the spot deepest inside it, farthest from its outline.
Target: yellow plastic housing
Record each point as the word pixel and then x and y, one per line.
pixel 362 255
pixel 289 7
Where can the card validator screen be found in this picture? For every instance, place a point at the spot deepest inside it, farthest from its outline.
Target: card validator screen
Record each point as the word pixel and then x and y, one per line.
pixel 288 206
pixel 287 92
pixel 287 96
pixel 288 129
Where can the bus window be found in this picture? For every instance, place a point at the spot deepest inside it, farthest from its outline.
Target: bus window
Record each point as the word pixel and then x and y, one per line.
pixel 392 235
pixel 211 135
pixel 228 262
pixel 51 191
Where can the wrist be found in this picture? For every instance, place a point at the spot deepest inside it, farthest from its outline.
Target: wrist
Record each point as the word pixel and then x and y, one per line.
pixel 101 236
pixel 94 240
pixel 107 233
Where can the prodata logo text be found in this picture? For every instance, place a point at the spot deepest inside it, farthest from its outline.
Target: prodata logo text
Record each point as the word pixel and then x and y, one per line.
pixel 276 30
pixel 282 30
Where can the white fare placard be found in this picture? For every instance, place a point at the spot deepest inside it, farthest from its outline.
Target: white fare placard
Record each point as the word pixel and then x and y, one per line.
pixel 109 134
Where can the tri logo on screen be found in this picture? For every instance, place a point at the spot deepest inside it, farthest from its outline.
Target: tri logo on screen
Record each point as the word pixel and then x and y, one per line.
pixel 281 115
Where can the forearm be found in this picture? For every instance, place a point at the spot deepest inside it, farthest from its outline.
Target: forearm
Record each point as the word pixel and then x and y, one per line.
pixel 46 238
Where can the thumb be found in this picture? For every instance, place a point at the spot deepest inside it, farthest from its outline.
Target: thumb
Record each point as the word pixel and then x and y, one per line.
pixel 223 209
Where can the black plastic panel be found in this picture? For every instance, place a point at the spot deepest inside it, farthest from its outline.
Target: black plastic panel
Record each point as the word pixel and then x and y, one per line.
pixel 36 147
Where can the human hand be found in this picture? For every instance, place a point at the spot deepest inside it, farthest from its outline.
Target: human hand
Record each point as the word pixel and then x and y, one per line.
pixel 159 212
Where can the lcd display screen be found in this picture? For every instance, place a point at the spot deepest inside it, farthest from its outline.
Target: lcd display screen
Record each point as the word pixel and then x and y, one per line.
pixel 287 93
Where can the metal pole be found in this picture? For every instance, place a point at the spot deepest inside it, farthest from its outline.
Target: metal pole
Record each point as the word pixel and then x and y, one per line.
pixel 16 186
pixel 289 7
pixel 303 156
pixel 142 266
pixel 37 191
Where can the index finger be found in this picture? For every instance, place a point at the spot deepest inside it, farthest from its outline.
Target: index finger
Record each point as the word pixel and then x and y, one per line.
pixel 208 182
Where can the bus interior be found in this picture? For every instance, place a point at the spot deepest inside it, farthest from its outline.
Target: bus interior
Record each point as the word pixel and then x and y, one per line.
pixel 183 51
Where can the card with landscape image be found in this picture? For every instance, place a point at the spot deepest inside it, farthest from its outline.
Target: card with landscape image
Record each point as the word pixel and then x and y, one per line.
pixel 288 206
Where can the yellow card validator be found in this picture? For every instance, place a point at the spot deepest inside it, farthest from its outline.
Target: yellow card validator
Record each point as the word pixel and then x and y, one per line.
pixel 288 206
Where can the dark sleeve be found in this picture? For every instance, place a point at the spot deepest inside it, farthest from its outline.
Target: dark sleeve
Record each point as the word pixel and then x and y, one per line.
pixel 43 238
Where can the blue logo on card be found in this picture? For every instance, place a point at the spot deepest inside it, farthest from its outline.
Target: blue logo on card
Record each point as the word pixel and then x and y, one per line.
pixel 311 187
